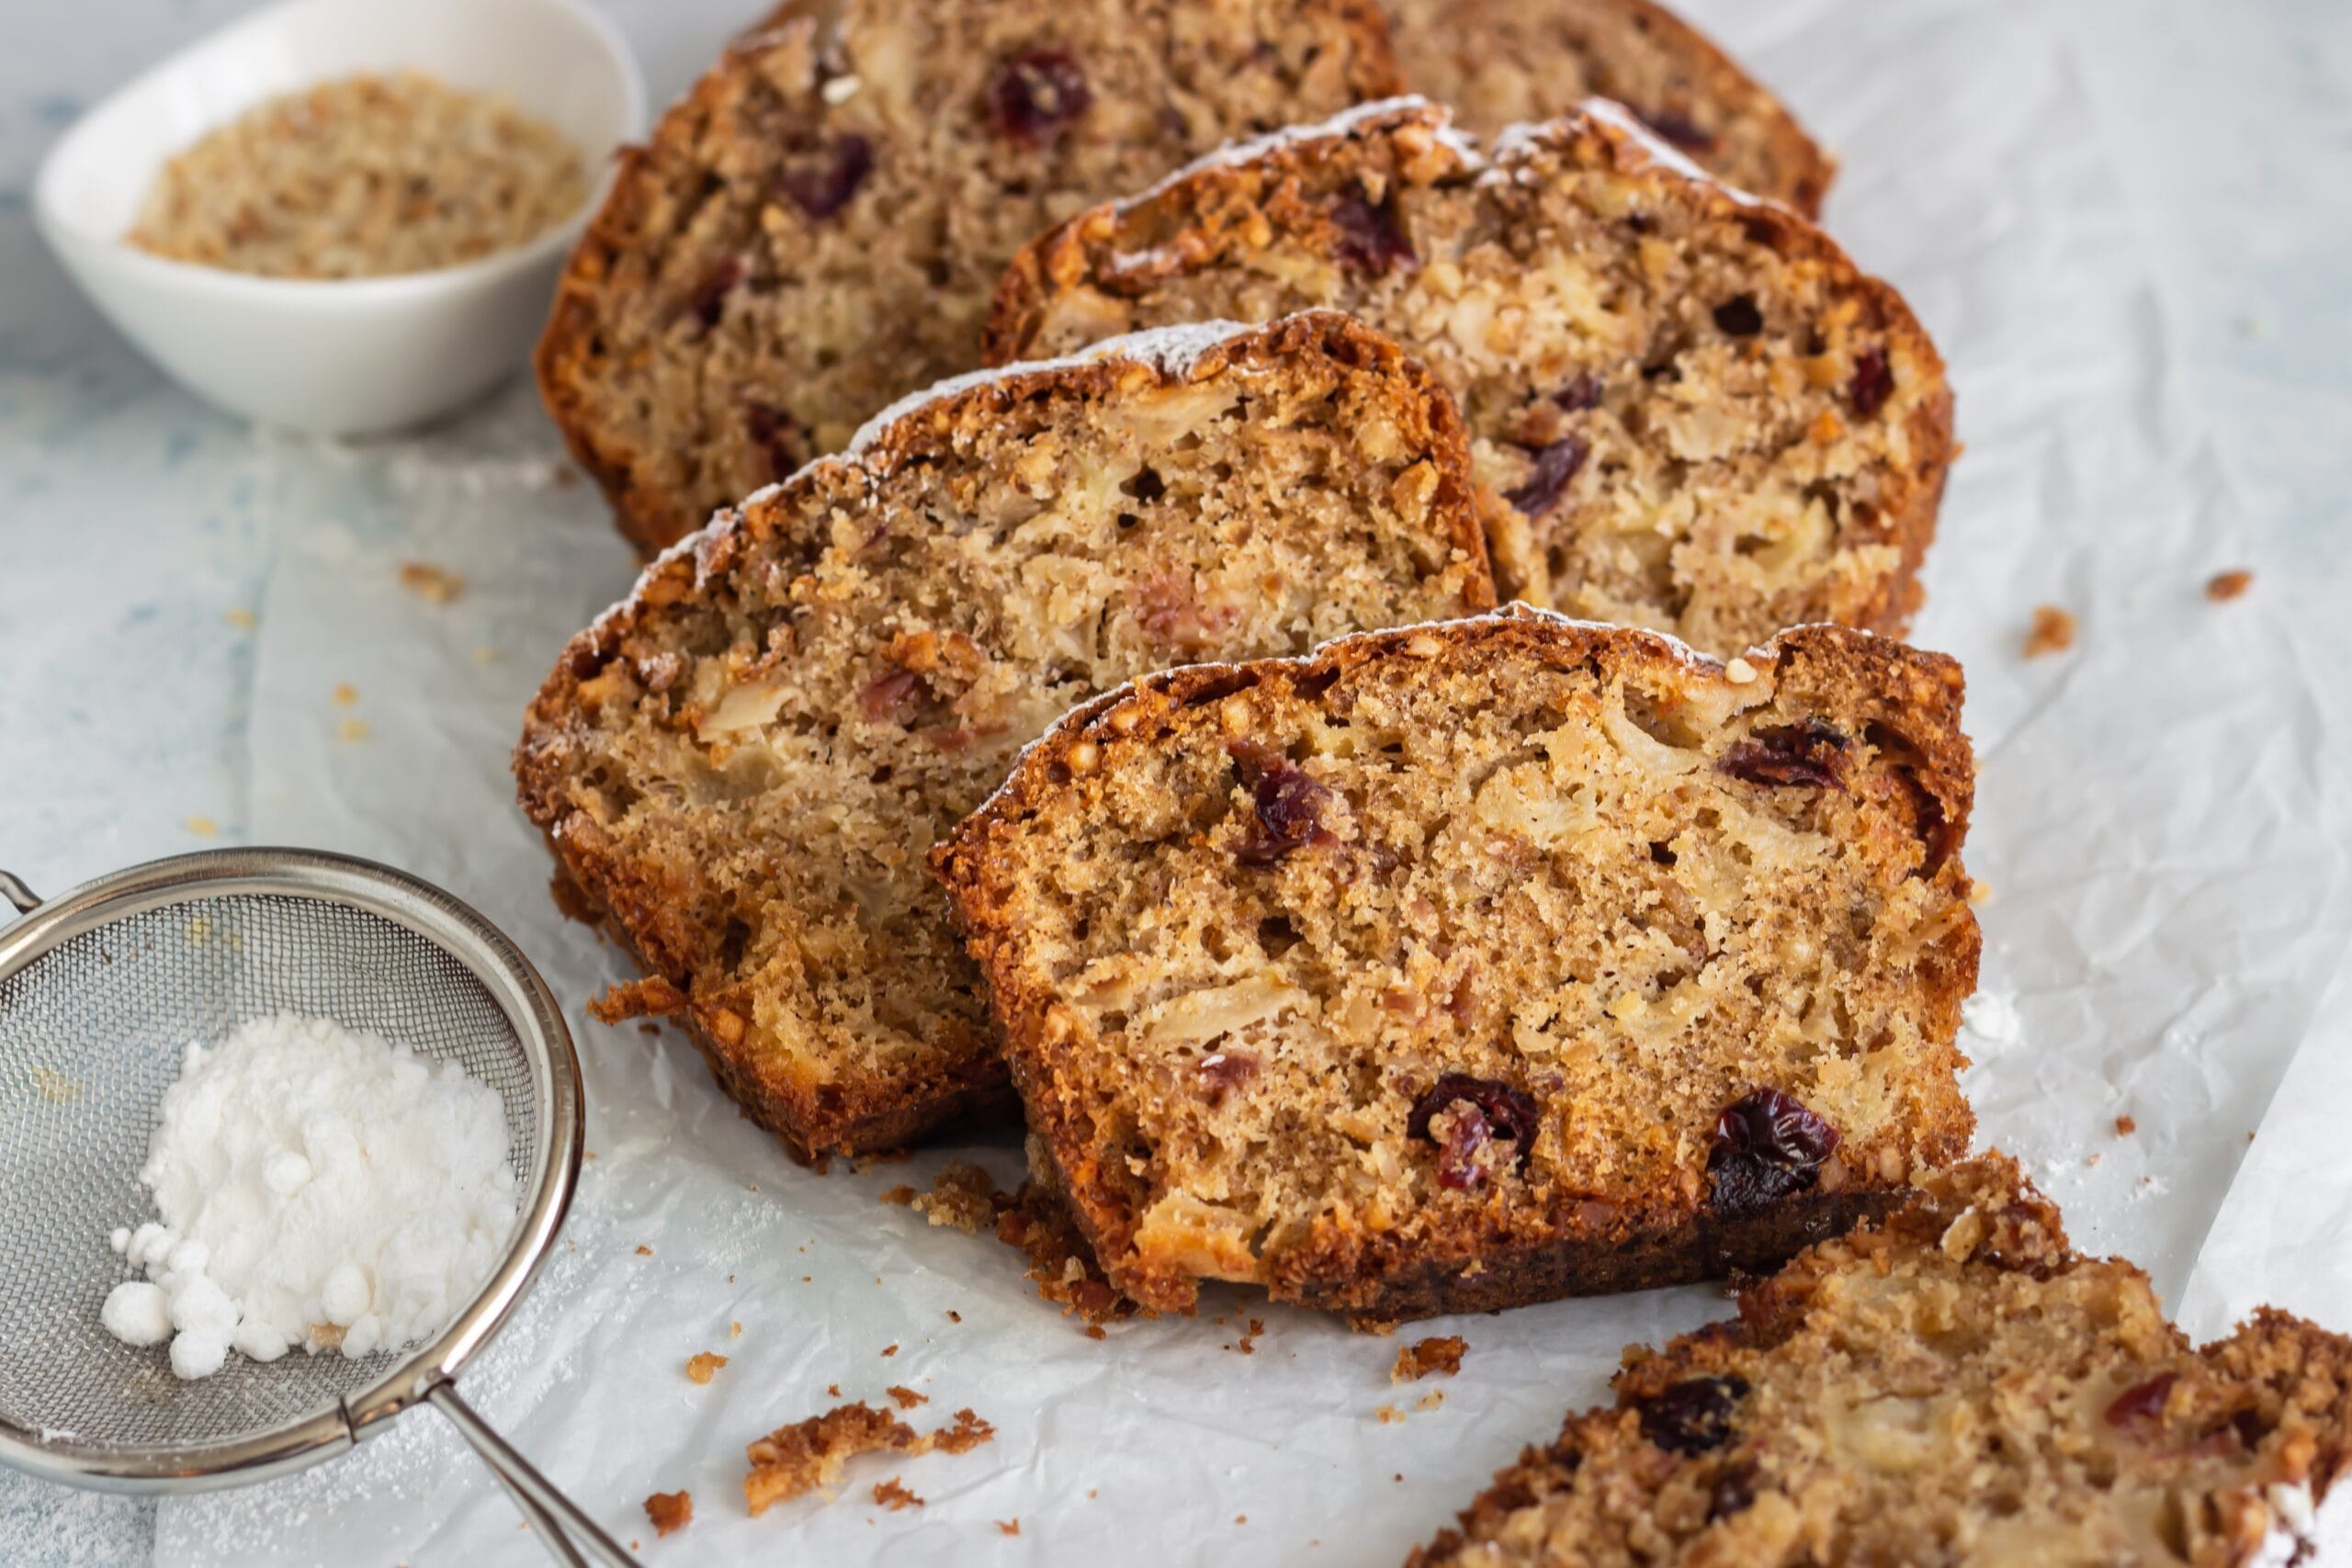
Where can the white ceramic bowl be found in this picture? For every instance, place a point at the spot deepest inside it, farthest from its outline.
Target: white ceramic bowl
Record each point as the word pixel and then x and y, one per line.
pixel 341 358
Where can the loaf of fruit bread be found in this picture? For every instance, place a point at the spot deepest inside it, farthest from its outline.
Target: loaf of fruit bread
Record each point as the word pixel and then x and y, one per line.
pixel 1458 967
pixel 1954 1386
pixel 744 764
pixel 1690 412
pixel 814 230
pixel 1502 61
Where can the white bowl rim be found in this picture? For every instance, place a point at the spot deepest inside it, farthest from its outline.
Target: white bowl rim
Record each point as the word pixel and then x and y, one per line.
pixel 334 292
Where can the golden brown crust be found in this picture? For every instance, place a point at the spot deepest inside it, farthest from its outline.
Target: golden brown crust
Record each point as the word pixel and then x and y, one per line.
pixel 1904 702
pixel 1950 1384
pixel 1497 60
pixel 675 909
pixel 1257 229
pixel 708 191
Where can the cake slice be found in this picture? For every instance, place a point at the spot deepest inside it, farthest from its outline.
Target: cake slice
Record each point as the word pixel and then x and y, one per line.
pixel 1690 412
pixel 1954 1386
pixel 1501 62
pixel 1459 966
pixel 744 764
pixel 815 228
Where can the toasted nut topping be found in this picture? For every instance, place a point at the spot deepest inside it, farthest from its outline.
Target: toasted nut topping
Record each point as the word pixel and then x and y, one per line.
pixel 1739 673
pixel 727 1026
pixel 1423 645
pixel 1084 757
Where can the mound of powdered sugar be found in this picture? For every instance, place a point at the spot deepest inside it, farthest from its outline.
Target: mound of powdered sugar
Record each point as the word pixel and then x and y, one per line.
pixel 317 1186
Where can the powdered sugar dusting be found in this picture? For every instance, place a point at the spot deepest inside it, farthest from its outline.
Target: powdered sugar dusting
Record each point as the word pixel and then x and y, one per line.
pixel 1381 113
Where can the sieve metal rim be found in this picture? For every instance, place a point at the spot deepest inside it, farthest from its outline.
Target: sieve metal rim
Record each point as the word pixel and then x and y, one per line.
pixel 486 953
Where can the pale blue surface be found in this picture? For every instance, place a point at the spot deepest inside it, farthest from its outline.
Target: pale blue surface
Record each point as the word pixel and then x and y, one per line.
pixel 132 520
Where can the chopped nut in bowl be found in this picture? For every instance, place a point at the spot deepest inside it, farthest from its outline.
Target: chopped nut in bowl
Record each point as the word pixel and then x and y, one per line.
pixel 340 216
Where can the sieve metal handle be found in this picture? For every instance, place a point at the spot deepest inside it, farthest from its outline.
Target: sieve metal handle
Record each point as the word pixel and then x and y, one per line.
pixel 558 1520
pixel 16 893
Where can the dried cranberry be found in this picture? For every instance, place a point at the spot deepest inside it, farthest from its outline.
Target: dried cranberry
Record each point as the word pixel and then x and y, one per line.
pixel 1734 1491
pixel 773 431
pixel 1738 317
pixel 892 696
pixel 1767 1145
pixel 1484 1110
pixel 2142 1401
pixel 1369 239
pixel 709 301
pixel 1808 752
pixel 821 185
pixel 1224 1070
pixel 1582 392
pixel 1693 1416
pixel 1873 383
pixel 1673 126
pixel 1034 95
pixel 1555 465
pixel 1289 805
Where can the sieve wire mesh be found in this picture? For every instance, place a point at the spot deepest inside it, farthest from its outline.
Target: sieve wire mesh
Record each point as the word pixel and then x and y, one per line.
pixel 92 1032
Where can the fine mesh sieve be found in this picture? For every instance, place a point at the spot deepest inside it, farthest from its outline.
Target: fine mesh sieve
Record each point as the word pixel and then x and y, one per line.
pixel 100 993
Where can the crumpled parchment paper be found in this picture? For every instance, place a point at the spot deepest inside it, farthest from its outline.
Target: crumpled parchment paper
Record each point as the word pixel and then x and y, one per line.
pixel 2170 900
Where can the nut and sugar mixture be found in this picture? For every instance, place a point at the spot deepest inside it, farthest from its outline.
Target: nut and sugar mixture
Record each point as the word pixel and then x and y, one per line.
pixel 364 176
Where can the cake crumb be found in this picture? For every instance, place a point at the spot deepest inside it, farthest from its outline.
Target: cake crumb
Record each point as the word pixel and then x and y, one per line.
pixel 810 1455
pixel 2125 1126
pixel 735 1329
pixel 2053 631
pixel 2224 586
pixel 643 1250
pixel 202 827
pixel 1247 1345
pixel 1389 1414
pixel 954 1316
pixel 832 1391
pixel 890 1351
pixel 1008 1527
pixel 961 1195
pixel 903 1195
pixel 243 620
pixel 1096 1331
pixel 431 583
pixel 352 730
pixel 907 1398
pixel 345 693
pixel 670 1511
pixel 1431 1400
pixel 704 1366
pixel 1438 1356
pixel 893 1496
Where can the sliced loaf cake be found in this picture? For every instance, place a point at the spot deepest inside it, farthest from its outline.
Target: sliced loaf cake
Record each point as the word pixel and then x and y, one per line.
pixel 743 764
pixel 1503 62
pixel 814 230
pixel 1691 412
pixel 1955 1386
pixel 1459 966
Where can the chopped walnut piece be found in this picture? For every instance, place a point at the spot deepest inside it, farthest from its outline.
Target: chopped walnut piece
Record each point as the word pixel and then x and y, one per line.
pixel 2223 586
pixel 2053 631
pixel 429 582
pixel 704 1366
pixel 1438 1355
pixel 670 1511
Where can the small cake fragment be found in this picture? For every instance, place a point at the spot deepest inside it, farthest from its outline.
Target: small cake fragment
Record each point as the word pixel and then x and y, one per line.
pixel 2052 631
pixel 810 1455
pixel 1434 1357
pixel 670 1511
